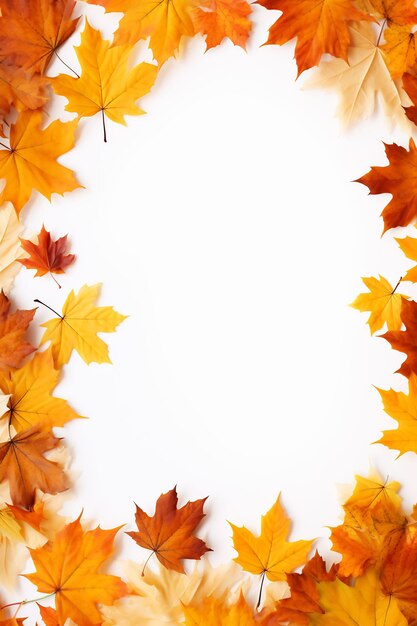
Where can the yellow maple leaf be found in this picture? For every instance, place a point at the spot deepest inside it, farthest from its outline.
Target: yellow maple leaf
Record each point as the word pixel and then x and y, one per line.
pixel 77 328
pixel 409 246
pixel 363 80
pixel 106 83
pixel 213 612
pixel 31 402
pixel 166 22
pixel 403 408
pixel 364 604
pixel 383 302
pixel 400 49
pixel 10 248
pixel 31 162
pixel 270 553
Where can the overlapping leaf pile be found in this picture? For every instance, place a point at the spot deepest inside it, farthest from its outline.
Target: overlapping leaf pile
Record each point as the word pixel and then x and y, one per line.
pixel 367 51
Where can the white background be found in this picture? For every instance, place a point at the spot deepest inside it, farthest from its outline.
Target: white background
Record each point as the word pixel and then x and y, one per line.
pixel 224 223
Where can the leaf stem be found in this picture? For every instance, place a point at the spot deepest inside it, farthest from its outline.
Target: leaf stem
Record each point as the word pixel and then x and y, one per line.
pixel 66 65
pixel 146 562
pixel 381 31
pixel 396 286
pixel 55 280
pixel 4 145
pixel 23 602
pixel 48 307
pixel 104 126
pixel 261 589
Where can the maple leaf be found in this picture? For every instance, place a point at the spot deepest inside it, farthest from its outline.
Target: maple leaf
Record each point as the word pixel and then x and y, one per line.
pixel 158 597
pixel 398 574
pixel 106 84
pixel 410 86
pixel 382 301
pixel 409 246
pixel 166 22
pixel 169 532
pixel 406 340
pixel 77 582
pixel 77 327
pixel 400 49
pixel 48 615
pixel 304 598
pixel 31 403
pixel 19 88
pixel 10 248
pixel 363 604
pixel 361 81
pixel 270 554
pixel 320 26
pixel 218 19
pixel 392 11
pixel 47 256
pixel 31 31
pixel 399 178
pixel 403 409
pixel 23 464
pixel 13 326
pixel 213 612
pixel 31 163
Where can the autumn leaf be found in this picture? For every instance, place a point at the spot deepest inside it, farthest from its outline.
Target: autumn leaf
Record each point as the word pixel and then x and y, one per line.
pixel 31 402
pixel 77 582
pixel 394 12
pixel 213 612
pixel 320 26
pixel 270 553
pixel 398 574
pixel 166 22
pixel 364 604
pixel 169 532
pixel 47 256
pixel 399 178
pixel 406 340
pixel 220 19
pixel 31 31
pixel 400 49
pixel 304 598
pixel 410 86
pixel 106 85
pixel 31 163
pixel 402 408
pixel 23 464
pixel 48 615
pixel 10 248
pixel 19 88
pixel 409 246
pixel 382 301
pixel 362 81
pixel 14 347
pixel 77 328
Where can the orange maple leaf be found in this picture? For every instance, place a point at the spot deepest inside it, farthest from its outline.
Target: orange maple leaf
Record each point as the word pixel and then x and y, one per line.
pixel 23 464
pixel 69 567
pixel 399 178
pixel 218 19
pixel 31 161
pixel 13 326
pixel 320 26
pixel 410 86
pixel 47 256
pixel 398 573
pixel 19 88
pixel 31 31
pixel 394 12
pixel 406 340
pixel 48 615
pixel 169 532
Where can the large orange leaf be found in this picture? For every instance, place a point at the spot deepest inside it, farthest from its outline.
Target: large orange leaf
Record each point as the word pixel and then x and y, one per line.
pixel 24 466
pixel 406 340
pixel 270 553
pixel 169 532
pixel 70 567
pixel 31 402
pixel 14 346
pixel 31 31
pixel 400 49
pixel 320 26
pixel 218 19
pixel 399 178
pixel 166 22
pixel 31 162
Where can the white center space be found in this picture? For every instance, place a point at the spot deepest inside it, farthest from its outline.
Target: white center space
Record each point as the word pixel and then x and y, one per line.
pixel 224 223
